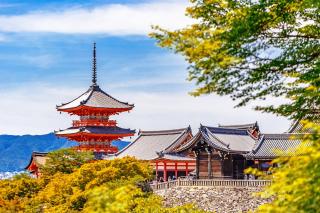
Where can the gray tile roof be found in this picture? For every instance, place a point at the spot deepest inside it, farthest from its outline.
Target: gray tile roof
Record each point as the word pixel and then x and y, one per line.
pixel 271 146
pixel 95 97
pixel 225 139
pixel 95 130
pixel 151 143
pixel 231 140
pixel 240 126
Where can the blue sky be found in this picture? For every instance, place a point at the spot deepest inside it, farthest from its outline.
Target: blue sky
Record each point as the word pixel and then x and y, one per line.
pixel 45 59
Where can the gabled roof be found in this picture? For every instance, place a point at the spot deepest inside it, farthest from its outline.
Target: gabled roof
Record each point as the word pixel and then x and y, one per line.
pixel 39 158
pixel 224 139
pixel 234 140
pixel 150 144
pixel 271 145
pixel 112 130
pixel 95 97
pixel 241 126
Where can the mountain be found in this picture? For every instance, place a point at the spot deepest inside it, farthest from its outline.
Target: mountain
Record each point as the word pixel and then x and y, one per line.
pixel 15 151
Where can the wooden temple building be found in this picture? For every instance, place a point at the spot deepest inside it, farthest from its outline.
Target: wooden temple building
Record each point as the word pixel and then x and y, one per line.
pixel 159 148
pixel 37 160
pixel 214 152
pixel 95 130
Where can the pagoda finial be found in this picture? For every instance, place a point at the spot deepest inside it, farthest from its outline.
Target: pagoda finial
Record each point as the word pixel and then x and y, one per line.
pixel 94 67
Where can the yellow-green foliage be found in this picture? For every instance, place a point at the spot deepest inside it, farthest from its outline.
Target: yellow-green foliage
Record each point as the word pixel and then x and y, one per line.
pixel 251 50
pixel 97 186
pixel 65 161
pixel 296 182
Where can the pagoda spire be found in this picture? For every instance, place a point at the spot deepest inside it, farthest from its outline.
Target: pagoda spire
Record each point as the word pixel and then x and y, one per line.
pixel 94 67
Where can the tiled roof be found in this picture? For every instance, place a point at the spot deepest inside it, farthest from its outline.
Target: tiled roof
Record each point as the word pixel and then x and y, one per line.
pixel 175 157
pixel 232 140
pixel 271 146
pixel 150 143
pixel 95 130
pixel 95 97
pixel 225 139
pixel 240 126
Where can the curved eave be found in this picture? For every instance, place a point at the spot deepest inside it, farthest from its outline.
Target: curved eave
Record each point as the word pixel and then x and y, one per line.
pixel 93 134
pixel 84 99
pixel 81 108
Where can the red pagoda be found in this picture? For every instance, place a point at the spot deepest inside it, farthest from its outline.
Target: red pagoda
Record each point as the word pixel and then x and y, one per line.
pixel 94 131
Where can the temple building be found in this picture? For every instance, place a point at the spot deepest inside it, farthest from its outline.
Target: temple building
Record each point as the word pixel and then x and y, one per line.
pixel 37 160
pixel 94 131
pixel 159 148
pixel 226 151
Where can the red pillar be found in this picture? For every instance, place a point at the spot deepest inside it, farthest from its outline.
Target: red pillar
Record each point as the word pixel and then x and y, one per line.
pixel 175 169
pixel 165 171
pixel 157 171
pixel 187 169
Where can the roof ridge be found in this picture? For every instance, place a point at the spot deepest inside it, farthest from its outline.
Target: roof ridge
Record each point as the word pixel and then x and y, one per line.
pixel 227 130
pixel 162 132
pixel 237 125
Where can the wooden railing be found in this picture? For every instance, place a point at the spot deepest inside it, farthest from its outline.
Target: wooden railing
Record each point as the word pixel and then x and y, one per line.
pixel 79 123
pixel 210 182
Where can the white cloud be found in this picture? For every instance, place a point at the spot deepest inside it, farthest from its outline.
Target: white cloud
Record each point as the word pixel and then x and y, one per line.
pixel 112 19
pixel 38 60
pixel 31 110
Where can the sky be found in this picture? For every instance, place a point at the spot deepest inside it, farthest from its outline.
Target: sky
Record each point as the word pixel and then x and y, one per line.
pixel 46 59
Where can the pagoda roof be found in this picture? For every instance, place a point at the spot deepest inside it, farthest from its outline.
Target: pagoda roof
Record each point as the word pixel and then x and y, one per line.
pixel 274 145
pixel 97 98
pixel 99 130
pixel 150 144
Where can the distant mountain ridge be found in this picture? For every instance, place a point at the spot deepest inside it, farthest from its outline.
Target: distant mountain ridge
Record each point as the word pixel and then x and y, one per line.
pixel 15 151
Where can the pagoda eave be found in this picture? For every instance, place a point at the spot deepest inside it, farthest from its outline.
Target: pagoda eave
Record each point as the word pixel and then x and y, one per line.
pixel 89 110
pixel 88 136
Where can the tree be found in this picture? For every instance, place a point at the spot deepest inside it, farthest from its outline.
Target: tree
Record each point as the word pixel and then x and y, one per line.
pixel 252 50
pixel 96 186
pixel 65 161
pixel 296 185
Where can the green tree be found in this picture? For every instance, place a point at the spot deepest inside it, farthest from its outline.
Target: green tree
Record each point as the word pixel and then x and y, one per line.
pixel 251 50
pixel 65 161
pixel 296 185
pixel 97 186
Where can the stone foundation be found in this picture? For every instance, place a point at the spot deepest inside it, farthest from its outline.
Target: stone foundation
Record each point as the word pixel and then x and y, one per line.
pixel 216 199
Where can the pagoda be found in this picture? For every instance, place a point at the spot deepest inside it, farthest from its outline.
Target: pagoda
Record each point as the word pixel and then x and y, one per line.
pixel 94 131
